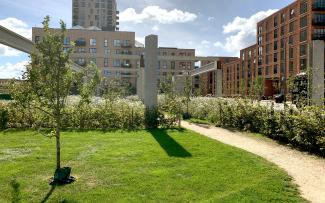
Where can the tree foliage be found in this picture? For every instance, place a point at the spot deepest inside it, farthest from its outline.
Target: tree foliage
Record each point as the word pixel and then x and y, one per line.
pixel 49 78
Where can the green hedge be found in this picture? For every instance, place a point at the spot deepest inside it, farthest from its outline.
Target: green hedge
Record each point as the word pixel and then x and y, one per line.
pixel 120 114
pixel 302 128
pixel 5 97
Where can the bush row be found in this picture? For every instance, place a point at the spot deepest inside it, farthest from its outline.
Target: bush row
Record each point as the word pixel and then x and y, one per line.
pixel 303 128
pixel 119 114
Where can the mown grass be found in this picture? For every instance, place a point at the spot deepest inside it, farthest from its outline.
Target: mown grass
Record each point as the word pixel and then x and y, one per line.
pixel 139 166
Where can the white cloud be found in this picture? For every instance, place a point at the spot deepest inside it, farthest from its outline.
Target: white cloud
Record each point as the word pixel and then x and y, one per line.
pixel 218 44
pixel 155 28
pixel 155 13
pixel 211 18
pixel 242 32
pixel 19 27
pixel 10 70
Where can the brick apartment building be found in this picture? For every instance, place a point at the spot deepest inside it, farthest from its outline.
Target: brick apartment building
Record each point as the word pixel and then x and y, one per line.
pixel 284 47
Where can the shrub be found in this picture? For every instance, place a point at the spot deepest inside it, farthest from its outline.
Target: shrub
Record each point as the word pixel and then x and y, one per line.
pixel 303 128
pixel 4 117
pixel 99 114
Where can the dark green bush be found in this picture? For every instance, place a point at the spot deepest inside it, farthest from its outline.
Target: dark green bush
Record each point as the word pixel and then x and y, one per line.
pixel 5 97
pixel 303 128
pixel 4 117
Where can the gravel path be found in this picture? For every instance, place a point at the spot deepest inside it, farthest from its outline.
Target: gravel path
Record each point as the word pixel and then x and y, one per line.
pixel 307 171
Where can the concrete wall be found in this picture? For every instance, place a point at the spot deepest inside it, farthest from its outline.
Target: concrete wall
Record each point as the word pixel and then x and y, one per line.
pixel 150 71
pixel 318 73
pixel 218 83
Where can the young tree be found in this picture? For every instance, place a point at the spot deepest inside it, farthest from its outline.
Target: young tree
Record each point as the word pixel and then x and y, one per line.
pixel 242 88
pixel 258 87
pixel 187 94
pixel 48 81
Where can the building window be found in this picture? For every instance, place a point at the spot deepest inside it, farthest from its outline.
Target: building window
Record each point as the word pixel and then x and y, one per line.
pixel 275 33
pixel 283 68
pixel 117 43
pixel 303 49
pixel 275 45
pixel 303 36
pixel 259 71
pixel 37 39
pixel 260 30
pixel 105 62
pixel 275 57
pixel 92 42
pixel 260 51
pixel 291 66
pixel 291 26
pixel 283 17
pixel 81 61
pixel 106 51
pixel 275 21
pixel 303 7
pixel 275 69
pixel 116 63
pixel 260 40
pixel 291 53
pixel 105 43
pixel 107 73
pixel 81 50
pixel 267 70
pixel 66 41
pixel 291 40
pixel 303 64
pixel 303 22
pixel 93 60
pixel 283 30
pixel 267 48
pixel 92 50
pixel 292 13
pixel 172 64
pixel 282 55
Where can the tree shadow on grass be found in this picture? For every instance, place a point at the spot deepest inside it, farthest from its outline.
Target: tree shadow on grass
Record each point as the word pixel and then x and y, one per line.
pixel 49 193
pixel 15 192
pixel 171 147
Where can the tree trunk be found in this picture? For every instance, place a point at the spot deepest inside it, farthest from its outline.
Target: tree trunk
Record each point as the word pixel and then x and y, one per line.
pixel 58 148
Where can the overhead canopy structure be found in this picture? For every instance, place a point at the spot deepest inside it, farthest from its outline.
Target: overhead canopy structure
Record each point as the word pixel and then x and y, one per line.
pixel 16 41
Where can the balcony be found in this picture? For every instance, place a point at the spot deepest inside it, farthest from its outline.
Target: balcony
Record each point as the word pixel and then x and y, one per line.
pixel 80 42
pixel 126 46
pixel 81 63
pixel 126 65
pixel 319 36
pixel 318 5
pixel 319 19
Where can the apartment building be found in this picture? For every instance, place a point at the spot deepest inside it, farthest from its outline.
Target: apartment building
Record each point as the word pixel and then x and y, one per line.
pixel 175 61
pixel 102 14
pixel 284 42
pixel 285 47
pixel 114 53
pixel 117 54
pixel 205 83
pixel 232 78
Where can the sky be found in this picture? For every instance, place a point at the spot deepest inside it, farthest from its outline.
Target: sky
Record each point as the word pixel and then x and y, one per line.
pixel 212 27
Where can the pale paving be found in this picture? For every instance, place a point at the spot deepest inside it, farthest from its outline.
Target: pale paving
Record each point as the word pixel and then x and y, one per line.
pixel 307 171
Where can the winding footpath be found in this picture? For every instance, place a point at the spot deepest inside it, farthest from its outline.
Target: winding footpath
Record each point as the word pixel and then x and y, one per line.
pixel 307 171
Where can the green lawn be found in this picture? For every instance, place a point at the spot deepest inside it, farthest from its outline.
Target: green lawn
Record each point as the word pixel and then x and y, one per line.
pixel 139 166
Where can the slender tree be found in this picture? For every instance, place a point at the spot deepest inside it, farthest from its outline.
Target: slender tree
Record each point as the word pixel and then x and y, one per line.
pixel 188 93
pixel 49 79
